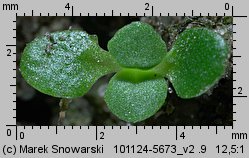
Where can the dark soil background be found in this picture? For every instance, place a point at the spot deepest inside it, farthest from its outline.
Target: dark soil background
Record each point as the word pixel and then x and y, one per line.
pixel 212 108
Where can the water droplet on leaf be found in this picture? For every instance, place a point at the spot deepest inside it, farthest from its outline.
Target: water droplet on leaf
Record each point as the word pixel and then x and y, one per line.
pixel 170 90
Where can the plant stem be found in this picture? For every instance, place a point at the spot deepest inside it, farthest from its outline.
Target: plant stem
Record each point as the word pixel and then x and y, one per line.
pixel 63 108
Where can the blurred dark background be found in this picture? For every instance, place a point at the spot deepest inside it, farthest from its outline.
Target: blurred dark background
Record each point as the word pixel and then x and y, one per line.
pixel 34 108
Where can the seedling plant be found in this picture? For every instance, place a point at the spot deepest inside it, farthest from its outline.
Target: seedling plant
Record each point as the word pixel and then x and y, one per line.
pixel 66 64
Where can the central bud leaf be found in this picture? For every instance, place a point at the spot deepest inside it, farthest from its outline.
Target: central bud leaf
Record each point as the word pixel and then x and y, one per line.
pixel 136 75
pixel 137 45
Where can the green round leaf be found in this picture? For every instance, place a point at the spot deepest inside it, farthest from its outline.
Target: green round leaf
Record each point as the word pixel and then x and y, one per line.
pixel 196 62
pixel 137 45
pixel 133 102
pixel 65 64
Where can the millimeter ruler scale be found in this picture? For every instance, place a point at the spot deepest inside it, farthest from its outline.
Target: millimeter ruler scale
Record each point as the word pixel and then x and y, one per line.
pixel 160 141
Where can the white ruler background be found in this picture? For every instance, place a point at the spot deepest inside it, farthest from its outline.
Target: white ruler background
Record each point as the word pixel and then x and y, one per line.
pixel 111 141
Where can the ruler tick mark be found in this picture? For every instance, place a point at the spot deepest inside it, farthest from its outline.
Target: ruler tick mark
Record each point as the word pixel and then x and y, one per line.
pixel 96 130
pixel 237 56
pixel 16 132
pixel 10 125
pixel 240 96
pixel 242 16
pixel 72 10
pixel 176 132
pixel 152 10
pixel 232 11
